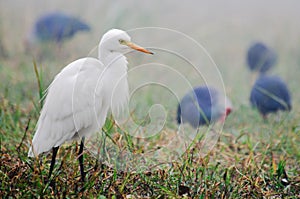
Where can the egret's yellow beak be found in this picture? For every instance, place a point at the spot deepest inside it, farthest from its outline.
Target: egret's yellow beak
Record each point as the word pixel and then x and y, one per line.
pixel 137 47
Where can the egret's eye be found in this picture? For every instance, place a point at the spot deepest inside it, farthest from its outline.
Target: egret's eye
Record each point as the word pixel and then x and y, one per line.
pixel 122 41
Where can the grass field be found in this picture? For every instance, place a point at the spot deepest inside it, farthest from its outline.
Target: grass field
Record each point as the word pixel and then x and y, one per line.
pixel 252 158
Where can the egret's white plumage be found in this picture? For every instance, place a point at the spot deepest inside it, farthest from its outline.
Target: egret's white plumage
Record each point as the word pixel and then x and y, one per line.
pixel 80 96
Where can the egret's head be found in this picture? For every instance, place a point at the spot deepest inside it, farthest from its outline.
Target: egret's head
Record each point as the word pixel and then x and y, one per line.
pixel 119 41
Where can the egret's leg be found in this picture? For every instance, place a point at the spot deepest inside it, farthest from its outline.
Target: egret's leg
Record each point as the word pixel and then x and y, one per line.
pixel 54 152
pixel 80 158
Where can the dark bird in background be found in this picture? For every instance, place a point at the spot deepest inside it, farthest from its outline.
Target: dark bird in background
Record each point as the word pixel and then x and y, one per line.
pixel 202 106
pixel 56 27
pixel 260 57
pixel 270 94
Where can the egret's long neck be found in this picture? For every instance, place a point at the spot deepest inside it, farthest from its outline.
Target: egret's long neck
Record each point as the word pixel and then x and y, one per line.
pixel 115 78
pixel 106 56
pixel 114 62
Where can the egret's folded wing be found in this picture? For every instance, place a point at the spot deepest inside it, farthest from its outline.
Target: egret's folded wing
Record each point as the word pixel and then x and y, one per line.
pixel 69 105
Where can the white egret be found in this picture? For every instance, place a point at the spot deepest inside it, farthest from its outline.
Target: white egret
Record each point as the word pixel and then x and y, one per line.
pixel 80 96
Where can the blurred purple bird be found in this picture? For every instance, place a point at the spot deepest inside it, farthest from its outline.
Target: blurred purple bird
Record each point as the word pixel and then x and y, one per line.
pixel 202 106
pixel 270 94
pixel 260 57
pixel 56 27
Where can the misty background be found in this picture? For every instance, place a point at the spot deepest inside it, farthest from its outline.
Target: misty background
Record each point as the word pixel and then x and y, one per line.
pixel 224 29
